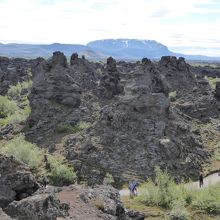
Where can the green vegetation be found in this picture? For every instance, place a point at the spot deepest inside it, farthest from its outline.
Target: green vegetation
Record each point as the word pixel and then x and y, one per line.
pixel 65 128
pixel 212 81
pixel 15 108
pixel 176 201
pixel 57 170
pixel 60 173
pixel 12 112
pixel 7 107
pixel 25 151
pixel 14 92
pixel 172 96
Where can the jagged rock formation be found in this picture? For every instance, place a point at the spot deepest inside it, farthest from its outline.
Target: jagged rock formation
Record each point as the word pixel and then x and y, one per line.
pixel 15 70
pixel 195 97
pixel 16 181
pixel 132 125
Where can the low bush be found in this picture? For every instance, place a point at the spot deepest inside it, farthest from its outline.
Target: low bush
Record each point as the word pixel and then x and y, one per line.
pixel 23 150
pixel 179 211
pixel 14 91
pixel 60 173
pixel 66 128
pixel 7 107
pixel 212 81
pixel 208 199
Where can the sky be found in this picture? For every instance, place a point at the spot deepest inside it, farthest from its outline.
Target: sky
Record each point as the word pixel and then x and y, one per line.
pixel 188 26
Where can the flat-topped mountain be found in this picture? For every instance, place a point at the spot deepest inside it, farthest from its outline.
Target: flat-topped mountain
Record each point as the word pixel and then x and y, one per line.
pixel 129 49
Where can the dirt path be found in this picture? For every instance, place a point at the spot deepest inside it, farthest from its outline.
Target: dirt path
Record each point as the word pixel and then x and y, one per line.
pixel 208 181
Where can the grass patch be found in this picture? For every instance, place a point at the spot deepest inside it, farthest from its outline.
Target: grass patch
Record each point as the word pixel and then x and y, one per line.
pixel 24 151
pixel 14 91
pixel 59 172
pixel 65 128
pixel 212 82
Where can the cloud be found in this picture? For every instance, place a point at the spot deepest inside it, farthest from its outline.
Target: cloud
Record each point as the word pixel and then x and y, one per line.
pixel 160 13
pixel 79 21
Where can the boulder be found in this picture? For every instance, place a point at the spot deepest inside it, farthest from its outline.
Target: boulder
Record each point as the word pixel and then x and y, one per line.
pixel 16 180
pixel 38 207
pixel 106 198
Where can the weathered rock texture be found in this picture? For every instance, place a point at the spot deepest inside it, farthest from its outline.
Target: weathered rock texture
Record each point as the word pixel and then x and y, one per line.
pixel 4 216
pixel 15 70
pixel 131 124
pixel 16 181
pixel 38 207
pixel 96 203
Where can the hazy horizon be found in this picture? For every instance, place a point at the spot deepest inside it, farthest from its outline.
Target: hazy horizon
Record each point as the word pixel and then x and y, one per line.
pixel 190 26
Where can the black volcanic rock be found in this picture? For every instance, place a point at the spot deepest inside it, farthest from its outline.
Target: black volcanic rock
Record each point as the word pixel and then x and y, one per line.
pixel 37 207
pixel 59 59
pixel 110 82
pixel 16 180
pixel 131 125
pixel 217 91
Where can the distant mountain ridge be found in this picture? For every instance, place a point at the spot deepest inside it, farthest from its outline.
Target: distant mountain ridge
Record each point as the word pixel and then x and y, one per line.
pixel 133 49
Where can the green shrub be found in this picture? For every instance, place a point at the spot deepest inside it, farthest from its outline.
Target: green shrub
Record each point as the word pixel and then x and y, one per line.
pixel 7 107
pixel 208 199
pixel 164 190
pixel 178 211
pixel 60 173
pixel 14 91
pixel 65 128
pixel 23 150
pixel 26 84
pixel 165 187
pixel 212 81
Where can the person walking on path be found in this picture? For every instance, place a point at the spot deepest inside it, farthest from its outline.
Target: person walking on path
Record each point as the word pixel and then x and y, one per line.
pixel 133 188
pixel 200 180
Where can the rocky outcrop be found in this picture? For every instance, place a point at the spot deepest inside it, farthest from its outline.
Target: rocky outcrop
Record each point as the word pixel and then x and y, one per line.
pixel 58 59
pixel 133 126
pixel 110 82
pixel 100 202
pixel 13 71
pixel 106 198
pixel 38 207
pixel 16 180
pixel 194 96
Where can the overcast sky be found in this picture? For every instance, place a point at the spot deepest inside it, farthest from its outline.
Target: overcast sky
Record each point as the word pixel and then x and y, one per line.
pixel 190 26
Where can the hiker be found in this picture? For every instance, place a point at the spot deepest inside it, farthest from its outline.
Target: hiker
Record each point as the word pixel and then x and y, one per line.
pixel 133 188
pixel 45 182
pixel 200 180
